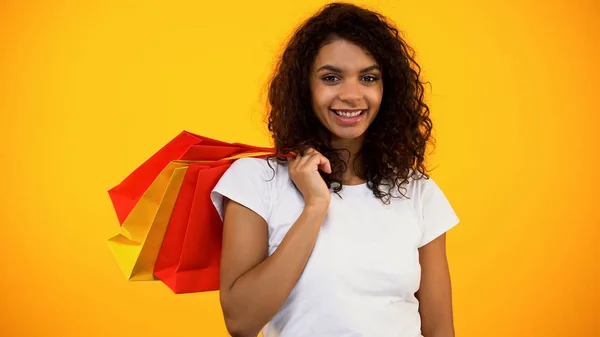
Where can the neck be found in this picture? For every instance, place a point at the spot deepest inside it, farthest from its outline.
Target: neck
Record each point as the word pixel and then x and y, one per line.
pixel 350 153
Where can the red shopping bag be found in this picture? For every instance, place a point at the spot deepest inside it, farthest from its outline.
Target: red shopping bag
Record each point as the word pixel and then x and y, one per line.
pixel 188 254
pixel 186 146
pixel 189 259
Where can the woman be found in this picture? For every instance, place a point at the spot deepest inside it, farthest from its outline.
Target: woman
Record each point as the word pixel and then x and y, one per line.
pixel 347 238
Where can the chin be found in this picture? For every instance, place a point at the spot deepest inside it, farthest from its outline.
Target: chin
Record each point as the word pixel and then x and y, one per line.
pixel 348 134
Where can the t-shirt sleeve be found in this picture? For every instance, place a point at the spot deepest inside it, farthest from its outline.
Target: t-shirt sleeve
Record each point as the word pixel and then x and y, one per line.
pixel 246 182
pixel 435 211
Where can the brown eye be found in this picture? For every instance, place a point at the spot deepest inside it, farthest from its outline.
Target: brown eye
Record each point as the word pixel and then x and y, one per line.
pixel 329 78
pixel 370 78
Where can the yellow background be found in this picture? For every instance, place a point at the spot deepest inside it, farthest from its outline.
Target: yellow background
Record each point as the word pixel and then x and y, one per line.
pixel 90 89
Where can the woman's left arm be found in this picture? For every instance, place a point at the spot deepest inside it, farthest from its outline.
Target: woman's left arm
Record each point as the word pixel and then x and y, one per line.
pixel 435 292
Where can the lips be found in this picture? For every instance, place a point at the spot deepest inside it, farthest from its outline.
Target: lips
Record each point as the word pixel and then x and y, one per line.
pixel 348 113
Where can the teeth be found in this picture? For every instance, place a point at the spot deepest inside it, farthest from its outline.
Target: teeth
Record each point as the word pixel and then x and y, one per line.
pixel 348 114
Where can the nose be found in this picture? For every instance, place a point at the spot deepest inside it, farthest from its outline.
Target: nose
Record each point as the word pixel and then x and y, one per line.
pixel 350 91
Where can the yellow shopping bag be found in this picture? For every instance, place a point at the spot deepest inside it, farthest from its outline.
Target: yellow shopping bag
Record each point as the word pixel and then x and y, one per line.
pixel 138 242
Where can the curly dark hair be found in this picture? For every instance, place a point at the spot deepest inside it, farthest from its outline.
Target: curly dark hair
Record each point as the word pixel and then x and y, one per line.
pixel 395 143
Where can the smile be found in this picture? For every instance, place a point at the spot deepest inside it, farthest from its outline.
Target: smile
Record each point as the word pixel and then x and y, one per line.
pixel 348 113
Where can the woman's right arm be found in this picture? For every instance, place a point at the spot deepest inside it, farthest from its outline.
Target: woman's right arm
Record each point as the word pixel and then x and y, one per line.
pixel 254 285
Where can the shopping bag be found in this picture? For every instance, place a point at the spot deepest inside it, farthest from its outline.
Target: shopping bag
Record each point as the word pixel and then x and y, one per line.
pixel 186 146
pixel 145 200
pixel 190 255
pixel 138 242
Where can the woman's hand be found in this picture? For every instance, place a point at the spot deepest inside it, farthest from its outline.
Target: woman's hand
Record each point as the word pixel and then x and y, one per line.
pixel 304 172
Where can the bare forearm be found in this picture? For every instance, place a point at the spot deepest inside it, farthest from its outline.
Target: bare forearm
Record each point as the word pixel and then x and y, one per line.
pixel 441 332
pixel 257 295
pixel 435 292
pixel 436 313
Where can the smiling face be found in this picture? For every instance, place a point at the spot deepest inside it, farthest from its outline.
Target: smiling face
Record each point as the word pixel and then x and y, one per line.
pixel 346 90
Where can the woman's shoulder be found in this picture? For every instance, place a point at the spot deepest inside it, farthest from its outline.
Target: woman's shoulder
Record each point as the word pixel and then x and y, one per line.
pixel 416 182
pixel 258 168
pixel 409 188
pixel 251 182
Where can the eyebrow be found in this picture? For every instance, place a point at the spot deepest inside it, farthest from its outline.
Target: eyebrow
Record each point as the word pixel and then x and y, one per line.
pixel 338 70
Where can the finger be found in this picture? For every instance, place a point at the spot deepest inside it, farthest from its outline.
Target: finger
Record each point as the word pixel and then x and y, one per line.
pixel 320 162
pixel 325 164
pixel 297 155
pixel 309 151
pixel 308 157
pixel 293 162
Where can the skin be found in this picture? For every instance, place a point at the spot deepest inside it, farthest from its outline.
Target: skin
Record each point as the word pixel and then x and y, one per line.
pixel 343 76
pixel 435 292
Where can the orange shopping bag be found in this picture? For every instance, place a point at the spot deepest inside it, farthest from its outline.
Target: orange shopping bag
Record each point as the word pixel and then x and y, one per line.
pixel 153 197
pixel 186 146
pixel 138 241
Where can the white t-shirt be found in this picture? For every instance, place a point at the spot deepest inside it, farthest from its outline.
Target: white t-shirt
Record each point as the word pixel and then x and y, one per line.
pixel 362 275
